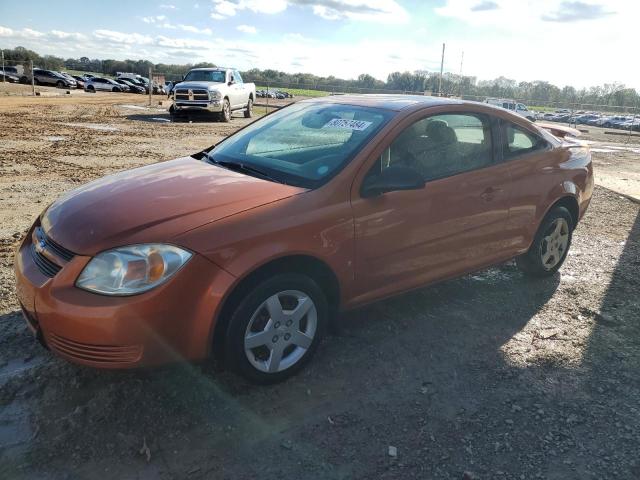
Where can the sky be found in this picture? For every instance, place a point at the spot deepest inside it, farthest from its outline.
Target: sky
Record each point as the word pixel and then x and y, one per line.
pixel 580 43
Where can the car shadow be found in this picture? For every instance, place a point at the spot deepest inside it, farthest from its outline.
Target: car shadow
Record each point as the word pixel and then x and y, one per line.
pixel 430 346
pixel 166 118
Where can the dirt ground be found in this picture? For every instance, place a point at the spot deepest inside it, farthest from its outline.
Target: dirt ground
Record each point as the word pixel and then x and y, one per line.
pixel 492 374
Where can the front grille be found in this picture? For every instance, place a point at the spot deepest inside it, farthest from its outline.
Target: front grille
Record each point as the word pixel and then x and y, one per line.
pixel 97 354
pixel 42 244
pixel 59 250
pixel 198 94
pixel 46 266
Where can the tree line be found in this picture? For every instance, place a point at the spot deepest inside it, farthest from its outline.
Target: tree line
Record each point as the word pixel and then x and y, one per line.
pixel 537 92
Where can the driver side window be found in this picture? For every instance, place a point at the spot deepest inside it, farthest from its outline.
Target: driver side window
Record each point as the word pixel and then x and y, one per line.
pixel 443 145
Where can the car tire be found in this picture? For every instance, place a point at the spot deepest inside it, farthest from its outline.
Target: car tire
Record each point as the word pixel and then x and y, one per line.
pixel 60 84
pixel 91 89
pixel 248 113
pixel 225 114
pixel 550 244
pixel 276 328
pixel 36 81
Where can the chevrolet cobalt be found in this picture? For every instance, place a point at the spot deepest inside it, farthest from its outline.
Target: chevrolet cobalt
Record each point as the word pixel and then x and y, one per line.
pixel 247 250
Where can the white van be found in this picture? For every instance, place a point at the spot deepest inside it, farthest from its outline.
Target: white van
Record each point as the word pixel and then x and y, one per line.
pixel 518 108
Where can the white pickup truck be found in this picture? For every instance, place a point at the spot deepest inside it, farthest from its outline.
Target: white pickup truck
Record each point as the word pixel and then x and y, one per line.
pixel 219 90
pixel 517 108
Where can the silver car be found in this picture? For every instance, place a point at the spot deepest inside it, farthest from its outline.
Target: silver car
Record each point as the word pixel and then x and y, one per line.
pixel 94 84
pixel 49 77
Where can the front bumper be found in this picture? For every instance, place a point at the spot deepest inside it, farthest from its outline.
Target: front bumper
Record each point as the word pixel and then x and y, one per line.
pixel 198 105
pixel 173 322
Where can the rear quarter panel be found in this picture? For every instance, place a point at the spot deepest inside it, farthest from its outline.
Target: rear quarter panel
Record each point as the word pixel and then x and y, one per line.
pixel 539 180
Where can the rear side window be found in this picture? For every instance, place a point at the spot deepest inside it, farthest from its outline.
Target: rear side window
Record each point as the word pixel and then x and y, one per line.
pixel 443 145
pixel 518 141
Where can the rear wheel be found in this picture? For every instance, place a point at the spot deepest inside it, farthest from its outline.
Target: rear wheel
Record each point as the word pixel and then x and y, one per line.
pixel 225 115
pixel 550 245
pixel 248 113
pixel 276 328
pixel 36 81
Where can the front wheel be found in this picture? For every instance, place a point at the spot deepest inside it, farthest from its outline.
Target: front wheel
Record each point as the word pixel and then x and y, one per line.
pixel 276 328
pixel 550 245
pixel 60 84
pixel 248 113
pixel 225 115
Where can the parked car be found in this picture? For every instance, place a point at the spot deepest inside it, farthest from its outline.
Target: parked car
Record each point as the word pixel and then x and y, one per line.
pixel 9 77
pixel 127 86
pixel 80 80
pixel 218 90
pixel 17 71
pixel 517 108
pixel 248 249
pixel 49 77
pixel 106 84
pixel 613 121
pixel 71 78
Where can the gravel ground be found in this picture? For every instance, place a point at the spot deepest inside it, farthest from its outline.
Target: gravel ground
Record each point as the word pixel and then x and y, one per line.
pixel 489 376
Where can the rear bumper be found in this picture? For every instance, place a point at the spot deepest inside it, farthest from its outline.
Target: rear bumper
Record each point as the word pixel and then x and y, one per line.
pixel 173 322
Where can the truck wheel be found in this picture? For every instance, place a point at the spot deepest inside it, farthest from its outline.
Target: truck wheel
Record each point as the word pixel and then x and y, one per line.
pixel 225 115
pixel 248 113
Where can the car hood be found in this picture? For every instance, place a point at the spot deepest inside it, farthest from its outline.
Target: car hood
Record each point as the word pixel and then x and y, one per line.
pixel 205 85
pixel 154 204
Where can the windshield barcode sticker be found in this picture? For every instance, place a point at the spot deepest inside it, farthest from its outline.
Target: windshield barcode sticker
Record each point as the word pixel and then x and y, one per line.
pixel 348 124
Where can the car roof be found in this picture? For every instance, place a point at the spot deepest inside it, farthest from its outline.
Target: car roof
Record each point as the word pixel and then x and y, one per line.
pixel 210 69
pixel 389 101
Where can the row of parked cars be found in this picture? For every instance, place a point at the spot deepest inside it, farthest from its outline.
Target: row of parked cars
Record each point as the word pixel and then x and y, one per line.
pixel 131 83
pixel 280 95
pixel 594 119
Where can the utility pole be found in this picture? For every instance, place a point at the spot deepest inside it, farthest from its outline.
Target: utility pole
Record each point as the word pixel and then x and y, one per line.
pixel 441 69
pixel 33 81
pixel 460 77
pixel 150 86
pixel 3 79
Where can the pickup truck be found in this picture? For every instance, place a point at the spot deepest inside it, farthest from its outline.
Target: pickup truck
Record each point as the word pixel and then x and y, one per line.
pixel 219 90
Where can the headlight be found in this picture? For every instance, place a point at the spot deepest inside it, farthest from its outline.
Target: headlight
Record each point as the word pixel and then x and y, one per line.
pixel 131 270
pixel 215 94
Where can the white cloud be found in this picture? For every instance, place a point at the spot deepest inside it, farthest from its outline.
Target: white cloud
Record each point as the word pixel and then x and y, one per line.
pixel 5 32
pixel 154 19
pixel 185 28
pixel 167 6
pixel 247 29
pixel 122 38
pixel 68 35
pixel 386 11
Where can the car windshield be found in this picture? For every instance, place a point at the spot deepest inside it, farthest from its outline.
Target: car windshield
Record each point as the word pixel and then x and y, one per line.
pixel 304 144
pixel 217 76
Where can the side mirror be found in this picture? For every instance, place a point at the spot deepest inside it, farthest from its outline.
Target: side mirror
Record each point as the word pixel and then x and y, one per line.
pixel 391 179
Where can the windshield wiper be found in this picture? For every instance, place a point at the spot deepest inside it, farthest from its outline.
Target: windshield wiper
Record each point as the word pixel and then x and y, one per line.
pixel 243 168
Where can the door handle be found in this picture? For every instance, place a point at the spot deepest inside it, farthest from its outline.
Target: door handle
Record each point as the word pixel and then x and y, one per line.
pixel 490 193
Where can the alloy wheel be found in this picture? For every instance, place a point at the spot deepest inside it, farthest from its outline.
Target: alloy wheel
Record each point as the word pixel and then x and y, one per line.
pixel 554 243
pixel 280 331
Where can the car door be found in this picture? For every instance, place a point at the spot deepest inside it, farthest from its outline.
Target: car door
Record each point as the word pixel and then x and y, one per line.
pixel 453 225
pixel 237 90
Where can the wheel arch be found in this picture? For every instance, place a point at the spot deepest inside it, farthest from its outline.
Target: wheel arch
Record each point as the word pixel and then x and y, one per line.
pixel 568 201
pixel 303 264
